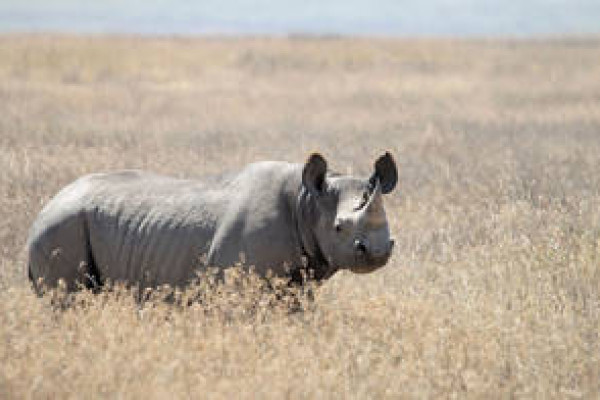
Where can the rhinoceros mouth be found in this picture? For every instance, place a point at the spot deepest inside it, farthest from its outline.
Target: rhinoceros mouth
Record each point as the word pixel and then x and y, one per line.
pixel 365 263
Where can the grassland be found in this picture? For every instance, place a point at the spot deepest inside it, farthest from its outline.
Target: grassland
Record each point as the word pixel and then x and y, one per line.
pixel 494 287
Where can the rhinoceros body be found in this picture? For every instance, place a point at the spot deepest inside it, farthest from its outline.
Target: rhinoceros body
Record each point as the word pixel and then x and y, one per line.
pixel 147 229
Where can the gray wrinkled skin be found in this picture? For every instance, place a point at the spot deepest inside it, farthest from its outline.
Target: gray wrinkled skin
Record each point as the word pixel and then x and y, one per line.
pixel 146 229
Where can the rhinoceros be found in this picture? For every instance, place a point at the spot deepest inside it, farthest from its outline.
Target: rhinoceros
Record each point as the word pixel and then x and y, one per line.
pixel 295 220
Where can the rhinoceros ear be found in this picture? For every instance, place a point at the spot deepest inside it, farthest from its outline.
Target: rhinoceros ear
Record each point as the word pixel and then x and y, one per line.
pixel 386 172
pixel 313 174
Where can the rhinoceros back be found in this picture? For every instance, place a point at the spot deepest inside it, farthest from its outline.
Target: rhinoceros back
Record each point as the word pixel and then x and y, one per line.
pixel 127 226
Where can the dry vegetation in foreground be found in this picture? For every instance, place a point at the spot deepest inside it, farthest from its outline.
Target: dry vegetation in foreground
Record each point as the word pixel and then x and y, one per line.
pixel 493 291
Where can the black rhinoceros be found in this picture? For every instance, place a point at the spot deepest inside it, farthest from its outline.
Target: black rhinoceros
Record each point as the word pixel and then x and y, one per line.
pixel 150 230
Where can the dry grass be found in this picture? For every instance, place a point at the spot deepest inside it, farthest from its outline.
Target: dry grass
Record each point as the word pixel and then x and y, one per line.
pixel 494 288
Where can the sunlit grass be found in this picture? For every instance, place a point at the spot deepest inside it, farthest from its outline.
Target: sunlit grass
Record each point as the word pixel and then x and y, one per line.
pixel 493 289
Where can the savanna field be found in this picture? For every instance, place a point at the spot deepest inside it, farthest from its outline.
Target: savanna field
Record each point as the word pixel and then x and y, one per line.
pixel 493 290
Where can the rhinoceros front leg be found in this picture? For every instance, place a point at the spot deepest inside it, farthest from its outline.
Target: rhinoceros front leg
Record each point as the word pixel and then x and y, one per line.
pixel 227 248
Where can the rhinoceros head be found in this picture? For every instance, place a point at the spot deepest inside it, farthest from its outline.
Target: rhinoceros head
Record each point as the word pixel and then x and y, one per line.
pixel 345 222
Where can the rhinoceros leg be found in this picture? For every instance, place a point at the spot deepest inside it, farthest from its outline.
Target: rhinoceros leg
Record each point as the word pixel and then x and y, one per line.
pixel 62 252
pixel 226 247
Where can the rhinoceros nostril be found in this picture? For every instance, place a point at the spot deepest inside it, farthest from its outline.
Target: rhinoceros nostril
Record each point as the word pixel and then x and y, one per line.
pixel 360 246
pixel 392 242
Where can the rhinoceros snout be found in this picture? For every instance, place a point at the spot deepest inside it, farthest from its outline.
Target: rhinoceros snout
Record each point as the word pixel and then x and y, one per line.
pixel 363 249
pixel 380 258
pixel 368 260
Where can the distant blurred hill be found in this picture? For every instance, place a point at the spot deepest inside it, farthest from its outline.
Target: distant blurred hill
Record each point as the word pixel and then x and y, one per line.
pixel 376 17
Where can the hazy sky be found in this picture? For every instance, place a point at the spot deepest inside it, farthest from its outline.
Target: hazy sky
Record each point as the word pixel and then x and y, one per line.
pixel 381 17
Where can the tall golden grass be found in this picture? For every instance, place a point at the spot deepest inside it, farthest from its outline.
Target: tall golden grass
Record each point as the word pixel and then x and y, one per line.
pixel 493 290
